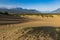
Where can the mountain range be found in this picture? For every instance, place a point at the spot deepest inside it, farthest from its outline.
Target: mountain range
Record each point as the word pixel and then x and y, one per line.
pixel 22 11
pixel 56 11
pixel 18 10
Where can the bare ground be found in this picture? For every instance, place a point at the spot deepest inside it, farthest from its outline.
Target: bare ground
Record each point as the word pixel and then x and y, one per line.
pixel 15 31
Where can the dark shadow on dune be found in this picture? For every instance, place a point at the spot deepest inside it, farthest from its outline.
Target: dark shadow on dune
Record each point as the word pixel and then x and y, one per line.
pixel 14 21
pixel 40 33
pixel 6 18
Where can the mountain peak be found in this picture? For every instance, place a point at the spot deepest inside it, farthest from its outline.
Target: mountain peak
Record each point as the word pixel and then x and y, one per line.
pixel 56 11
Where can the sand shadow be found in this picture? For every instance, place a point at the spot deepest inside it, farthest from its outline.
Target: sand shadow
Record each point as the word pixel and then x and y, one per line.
pixel 36 33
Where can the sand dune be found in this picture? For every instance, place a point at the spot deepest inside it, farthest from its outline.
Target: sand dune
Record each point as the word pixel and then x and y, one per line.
pixel 15 31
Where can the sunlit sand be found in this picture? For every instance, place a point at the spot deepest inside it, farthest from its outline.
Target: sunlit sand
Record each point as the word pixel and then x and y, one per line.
pixel 14 31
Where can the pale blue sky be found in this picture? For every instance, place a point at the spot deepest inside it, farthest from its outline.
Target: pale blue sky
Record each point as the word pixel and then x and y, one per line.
pixel 41 5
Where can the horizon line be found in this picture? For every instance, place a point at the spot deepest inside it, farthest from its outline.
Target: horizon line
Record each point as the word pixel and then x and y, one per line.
pixel 27 8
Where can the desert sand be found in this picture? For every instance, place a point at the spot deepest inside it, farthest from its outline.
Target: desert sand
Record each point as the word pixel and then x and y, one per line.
pixel 14 31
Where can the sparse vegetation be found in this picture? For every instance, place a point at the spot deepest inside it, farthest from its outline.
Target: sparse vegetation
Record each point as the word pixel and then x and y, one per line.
pixel 42 15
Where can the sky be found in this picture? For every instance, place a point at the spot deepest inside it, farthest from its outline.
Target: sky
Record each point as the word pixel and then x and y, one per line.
pixel 41 5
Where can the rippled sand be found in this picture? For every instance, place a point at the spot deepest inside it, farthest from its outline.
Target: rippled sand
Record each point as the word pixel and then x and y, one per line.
pixel 15 31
